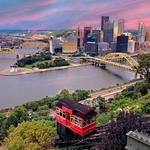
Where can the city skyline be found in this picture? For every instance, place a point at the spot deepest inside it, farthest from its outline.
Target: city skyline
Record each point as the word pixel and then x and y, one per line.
pixel 56 14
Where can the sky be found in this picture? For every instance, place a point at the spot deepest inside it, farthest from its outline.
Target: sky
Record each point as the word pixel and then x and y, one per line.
pixel 58 14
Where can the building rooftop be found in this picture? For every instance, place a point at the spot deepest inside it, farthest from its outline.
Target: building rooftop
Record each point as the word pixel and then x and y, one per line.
pixel 144 138
pixel 75 106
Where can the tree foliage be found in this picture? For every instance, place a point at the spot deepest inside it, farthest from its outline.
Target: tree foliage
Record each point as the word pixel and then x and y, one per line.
pixel 137 90
pixel 18 115
pixel 32 135
pixel 60 62
pixel 32 59
pixel 53 63
pixel 133 98
pixel 64 94
pixel 80 95
pixel 144 66
pixel 146 107
pixel 116 139
pixel 3 131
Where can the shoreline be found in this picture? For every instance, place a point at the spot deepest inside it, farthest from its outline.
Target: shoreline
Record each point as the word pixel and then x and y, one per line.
pixel 93 94
pixel 23 71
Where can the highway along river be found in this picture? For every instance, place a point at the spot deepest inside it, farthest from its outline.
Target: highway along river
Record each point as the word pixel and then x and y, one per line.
pixel 15 90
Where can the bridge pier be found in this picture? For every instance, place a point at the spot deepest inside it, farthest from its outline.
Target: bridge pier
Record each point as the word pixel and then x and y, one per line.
pixel 17 56
pixel 98 64
pixel 103 66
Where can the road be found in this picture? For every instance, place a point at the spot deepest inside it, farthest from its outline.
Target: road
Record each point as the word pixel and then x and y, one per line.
pixel 108 93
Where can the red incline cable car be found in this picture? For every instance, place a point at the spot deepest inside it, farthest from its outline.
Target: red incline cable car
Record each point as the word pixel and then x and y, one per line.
pixel 76 117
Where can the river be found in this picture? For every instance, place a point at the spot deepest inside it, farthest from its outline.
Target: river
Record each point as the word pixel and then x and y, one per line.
pixel 15 90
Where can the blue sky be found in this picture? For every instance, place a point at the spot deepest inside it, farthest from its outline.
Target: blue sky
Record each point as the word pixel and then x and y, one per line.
pixel 56 14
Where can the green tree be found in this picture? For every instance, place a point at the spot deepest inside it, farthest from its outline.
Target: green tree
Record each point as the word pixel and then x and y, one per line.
pixel 146 107
pixel 80 95
pixel 61 62
pixel 2 127
pixel 64 94
pixel 102 104
pixel 144 66
pixel 141 89
pixel 34 135
pixel 18 115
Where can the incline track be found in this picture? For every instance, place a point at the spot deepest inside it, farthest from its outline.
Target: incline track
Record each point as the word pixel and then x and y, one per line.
pixel 97 135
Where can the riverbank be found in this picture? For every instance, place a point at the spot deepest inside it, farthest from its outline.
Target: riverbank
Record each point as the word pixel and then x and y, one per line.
pixel 22 71
pixel 110 92
pixel 106 93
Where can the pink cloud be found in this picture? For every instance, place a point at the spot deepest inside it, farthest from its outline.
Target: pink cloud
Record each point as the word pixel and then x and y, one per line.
pixel 22 13
pixel 132 11
pixel 34 16
pixel 78 13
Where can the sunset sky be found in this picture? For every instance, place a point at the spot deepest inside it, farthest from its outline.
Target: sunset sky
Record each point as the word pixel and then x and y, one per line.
pixel 56 14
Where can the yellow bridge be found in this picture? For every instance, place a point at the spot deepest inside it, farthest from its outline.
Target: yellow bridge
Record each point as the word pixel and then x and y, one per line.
pixel 120 60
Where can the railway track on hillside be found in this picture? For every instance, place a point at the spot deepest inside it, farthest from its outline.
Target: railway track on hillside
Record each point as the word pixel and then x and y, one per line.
pixel 97 136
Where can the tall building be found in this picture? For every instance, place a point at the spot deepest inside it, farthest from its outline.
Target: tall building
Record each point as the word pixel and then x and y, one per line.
pixel 101 36
pixel 91 48
pixel 57 45
pixel 104 19
pixel 108 32
pixel 137 46
pixel 122 44
pixel 51 47
pixel 115 34
pixel 120 27
pixel 113 46
pixel 97 33
pixel 141 32
pixel 147 35
pixel 131 46
pixel 93 37
pixel 79 35
pixel 103 48
pixel 87 30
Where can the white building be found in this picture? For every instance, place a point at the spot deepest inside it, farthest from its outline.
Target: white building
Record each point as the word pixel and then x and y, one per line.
pixel 102 47
pixel 131 46
pixel 141 32
pixel 51 48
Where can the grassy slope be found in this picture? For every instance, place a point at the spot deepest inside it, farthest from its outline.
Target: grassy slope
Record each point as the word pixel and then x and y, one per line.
pixel 121 102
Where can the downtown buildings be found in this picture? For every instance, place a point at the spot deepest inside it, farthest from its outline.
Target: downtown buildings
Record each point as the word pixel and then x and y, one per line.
pixel 102 40
pixel 110 36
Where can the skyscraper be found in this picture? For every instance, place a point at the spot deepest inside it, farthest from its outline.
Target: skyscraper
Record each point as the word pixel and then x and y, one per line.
pixel 79 35
pixel 104 19
pixel 141 32
pixel 122 43
pixel 115 30
pixel 92 37
pixel 120 27
pixel 147 35
pixel 108 32
pixel 98 34
pixel 87 30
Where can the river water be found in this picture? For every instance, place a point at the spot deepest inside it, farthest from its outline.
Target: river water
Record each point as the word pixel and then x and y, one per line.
pixel 15 90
